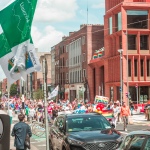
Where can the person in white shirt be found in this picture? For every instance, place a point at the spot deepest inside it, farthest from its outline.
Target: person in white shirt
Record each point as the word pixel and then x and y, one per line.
pixel 10 113
pixel 115 114
pixel 31 113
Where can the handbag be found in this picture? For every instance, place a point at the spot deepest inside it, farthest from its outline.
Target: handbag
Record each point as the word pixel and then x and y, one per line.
pixel 27 142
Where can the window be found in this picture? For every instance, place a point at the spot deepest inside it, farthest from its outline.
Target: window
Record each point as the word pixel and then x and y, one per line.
pixel 83 40
pixel 120 42
pixel 137 19
pixel 142 68
pixel 110 25
pixel 67 63
pixel 67 47
pixel 83 57
pixel 144 42
pixel 129 68
pixel 136 142
pixel 118 22
pixel 85 123
pixel 135 67
pixel 131 42
pixel 147 146
pixel 84 73
pixel 66 76
pixel 125 143
pixel 148 67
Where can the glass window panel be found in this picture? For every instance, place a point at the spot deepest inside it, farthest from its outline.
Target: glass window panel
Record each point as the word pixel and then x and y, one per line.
pixel 110 25
pixel 137 142
pixel 131 42
pixel 147 146
pixel 135 67
pixel 137 19
pixel 144 42
pixel 119 21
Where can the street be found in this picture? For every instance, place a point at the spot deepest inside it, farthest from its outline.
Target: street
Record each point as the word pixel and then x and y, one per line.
pixel 139 123
pixel 39 143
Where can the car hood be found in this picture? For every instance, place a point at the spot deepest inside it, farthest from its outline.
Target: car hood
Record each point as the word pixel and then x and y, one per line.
pixel 92 136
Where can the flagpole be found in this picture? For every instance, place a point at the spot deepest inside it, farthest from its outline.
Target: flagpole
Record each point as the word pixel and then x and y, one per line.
pixel 45 103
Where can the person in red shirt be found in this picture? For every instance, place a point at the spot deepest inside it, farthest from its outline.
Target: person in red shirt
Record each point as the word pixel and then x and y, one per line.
pixel 125 113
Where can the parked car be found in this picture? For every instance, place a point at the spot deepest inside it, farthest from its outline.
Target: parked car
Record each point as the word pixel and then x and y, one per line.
pixel 136 140
pixel 89 131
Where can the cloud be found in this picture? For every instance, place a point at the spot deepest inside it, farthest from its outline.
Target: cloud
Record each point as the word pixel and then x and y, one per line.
pixel 45 39
pixel 55 10
pixel 100 5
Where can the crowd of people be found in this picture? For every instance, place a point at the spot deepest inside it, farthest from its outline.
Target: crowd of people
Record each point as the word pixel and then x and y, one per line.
pixel 34 109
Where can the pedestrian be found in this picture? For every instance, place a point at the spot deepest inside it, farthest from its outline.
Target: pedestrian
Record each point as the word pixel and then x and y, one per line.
pixel 20 132
pixel 10 113
pixel 115 114
pixel 125 113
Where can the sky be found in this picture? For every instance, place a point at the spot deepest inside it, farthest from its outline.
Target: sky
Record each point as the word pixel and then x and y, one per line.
pixel 54 19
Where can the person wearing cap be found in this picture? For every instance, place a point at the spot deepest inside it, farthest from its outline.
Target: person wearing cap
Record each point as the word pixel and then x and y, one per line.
pixel 125 113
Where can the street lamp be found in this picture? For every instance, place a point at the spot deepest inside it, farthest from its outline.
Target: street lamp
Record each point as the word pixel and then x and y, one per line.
pixel 120 51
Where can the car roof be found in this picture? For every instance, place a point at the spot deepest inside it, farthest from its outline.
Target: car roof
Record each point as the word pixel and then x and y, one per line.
pixel 145 132
pixel 77 115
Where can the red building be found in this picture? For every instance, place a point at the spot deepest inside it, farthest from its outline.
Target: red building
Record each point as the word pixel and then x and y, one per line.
pixel 72 56
pixel 127 28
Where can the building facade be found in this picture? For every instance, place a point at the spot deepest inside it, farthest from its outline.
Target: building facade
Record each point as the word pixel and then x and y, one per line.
pixel 127 28
pixel 72 56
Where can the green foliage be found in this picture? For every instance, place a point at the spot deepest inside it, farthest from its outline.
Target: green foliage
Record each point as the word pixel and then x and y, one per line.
pixel 38 94
pixel 13 90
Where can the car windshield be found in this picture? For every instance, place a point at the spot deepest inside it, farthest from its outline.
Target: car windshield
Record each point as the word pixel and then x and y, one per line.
pixel 87 123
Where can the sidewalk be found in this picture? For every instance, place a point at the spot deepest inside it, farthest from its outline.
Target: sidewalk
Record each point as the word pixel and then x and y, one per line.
pixel 140 119
pixel 15 120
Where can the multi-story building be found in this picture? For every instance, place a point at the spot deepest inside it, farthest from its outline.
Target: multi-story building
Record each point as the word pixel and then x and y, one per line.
pixel 127 29
pixel 53 66
pixel 72 56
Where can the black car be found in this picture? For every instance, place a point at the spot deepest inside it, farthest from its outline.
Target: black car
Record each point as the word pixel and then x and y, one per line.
pixel 89 131
pixel 136 140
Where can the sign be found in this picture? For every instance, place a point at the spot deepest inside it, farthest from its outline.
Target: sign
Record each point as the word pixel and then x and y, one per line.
pixel 101 99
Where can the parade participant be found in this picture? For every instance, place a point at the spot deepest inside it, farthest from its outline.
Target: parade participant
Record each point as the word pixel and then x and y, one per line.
pixel 49 110
pixel 119 109
pixel 125 113
pixel 115 114
pixel 10 113
pixel 20 131
pixel 31 113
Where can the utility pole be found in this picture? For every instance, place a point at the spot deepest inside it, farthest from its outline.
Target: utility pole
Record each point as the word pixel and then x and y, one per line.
pixel 44 69
pixel 30 86
pixel 121 83
pixel 22 86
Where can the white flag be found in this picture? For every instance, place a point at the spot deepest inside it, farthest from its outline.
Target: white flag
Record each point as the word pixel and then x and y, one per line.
pixel 53 93
pixel 17 52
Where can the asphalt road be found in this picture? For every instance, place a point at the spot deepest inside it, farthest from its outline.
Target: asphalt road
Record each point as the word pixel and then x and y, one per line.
pixel 40 143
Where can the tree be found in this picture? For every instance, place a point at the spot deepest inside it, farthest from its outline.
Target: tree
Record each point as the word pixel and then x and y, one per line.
pixel 13 90
pixel 38 94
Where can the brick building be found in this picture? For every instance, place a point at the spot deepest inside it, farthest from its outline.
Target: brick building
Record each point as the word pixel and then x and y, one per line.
pixel 127 27
pixel 72 56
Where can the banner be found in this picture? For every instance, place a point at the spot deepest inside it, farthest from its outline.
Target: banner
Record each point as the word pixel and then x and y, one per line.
pixel 53 93
pixel 101 99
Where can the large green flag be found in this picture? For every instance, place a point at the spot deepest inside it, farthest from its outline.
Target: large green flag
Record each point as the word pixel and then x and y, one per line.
pixel 17 52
